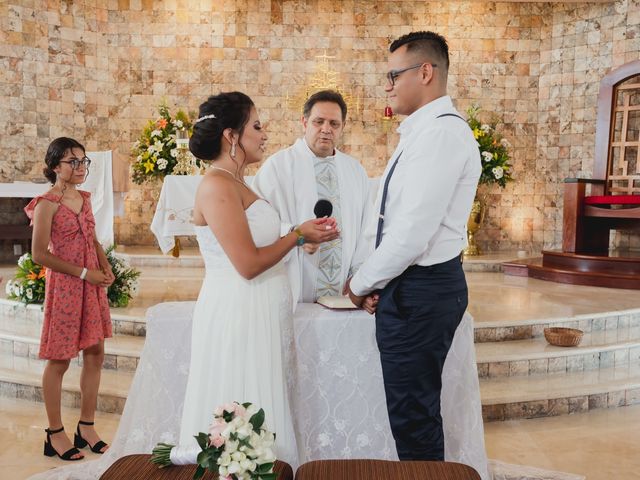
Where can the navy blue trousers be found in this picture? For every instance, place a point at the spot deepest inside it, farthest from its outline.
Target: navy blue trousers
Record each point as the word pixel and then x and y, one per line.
pixel 417 316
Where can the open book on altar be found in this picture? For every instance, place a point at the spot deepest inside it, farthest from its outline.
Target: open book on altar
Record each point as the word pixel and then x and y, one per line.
pixel 336 303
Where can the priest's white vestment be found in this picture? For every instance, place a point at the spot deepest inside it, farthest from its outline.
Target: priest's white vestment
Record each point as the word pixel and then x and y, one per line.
pixel 287 180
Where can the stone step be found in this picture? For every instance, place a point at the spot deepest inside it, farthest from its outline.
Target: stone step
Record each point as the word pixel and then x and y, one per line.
pixel 508 398
pixel 598 349
pixel 144 256
pixel 502 398
pixel 122 352
pixel 21 377
pixel 125 321
pixel 523 329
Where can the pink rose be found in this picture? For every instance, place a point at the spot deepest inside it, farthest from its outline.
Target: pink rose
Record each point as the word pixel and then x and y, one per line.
pixel 240 410
pixel 217 428
pixel 217 441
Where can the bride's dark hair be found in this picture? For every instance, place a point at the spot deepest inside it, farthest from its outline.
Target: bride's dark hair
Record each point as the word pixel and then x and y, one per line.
pixel 231 110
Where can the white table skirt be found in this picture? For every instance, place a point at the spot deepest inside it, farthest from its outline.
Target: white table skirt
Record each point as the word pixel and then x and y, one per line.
pixel 339 404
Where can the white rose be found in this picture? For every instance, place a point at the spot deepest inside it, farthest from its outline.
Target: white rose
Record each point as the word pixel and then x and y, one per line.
pixel 174 152
pixel 232 446
pixel 156 133
pixel 238 456
pixel 225 459
pixel 22 259
pixel 178 123
pixel 498 172
pixel 487 156
pixel 223 470
pixel 162 164
pixel 29 294
pixel 234 467
pixel 485 128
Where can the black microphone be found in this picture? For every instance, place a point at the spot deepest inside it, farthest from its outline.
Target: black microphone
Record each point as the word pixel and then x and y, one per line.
pixel 323 208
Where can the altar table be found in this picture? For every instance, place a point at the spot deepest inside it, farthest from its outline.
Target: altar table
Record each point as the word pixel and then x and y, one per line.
pixel 338 396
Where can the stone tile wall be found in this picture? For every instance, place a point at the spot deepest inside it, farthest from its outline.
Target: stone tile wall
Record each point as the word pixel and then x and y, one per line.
pixel 96 70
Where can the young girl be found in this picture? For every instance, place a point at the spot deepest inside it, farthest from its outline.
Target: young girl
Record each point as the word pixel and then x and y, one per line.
pixel 76 310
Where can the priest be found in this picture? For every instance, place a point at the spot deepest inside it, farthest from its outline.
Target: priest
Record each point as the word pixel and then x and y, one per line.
pixel 294 179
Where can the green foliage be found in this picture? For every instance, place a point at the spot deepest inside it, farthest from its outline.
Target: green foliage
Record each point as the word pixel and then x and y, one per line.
pixel 125 286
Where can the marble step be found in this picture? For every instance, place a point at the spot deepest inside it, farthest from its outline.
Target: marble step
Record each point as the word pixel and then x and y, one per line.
pixel 522 329
pixel 502 398
pixel 122 352
pixel 145 256
pixel 21 377
pixel 125 321
pixel 508 398
pixel 598 349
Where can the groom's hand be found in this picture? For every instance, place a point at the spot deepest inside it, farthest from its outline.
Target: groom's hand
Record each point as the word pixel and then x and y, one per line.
pixel 355 299
pixel 370 303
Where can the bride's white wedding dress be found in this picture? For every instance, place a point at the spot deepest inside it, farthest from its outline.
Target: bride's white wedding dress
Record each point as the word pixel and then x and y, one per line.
pixel 241 332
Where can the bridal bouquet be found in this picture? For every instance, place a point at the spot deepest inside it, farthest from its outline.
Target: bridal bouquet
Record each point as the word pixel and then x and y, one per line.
pixel 237 446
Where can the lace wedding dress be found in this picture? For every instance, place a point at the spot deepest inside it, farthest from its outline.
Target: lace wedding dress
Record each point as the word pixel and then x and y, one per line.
pixel 240 333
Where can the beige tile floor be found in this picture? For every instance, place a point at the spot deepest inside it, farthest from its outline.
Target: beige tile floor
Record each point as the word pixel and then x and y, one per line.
pixel 601 444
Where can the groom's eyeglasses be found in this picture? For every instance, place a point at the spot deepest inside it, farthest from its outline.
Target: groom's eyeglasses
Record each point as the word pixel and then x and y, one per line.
pixel 76 162
pixel 392 75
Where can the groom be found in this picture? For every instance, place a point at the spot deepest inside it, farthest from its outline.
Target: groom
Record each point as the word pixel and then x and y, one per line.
pixel 414 280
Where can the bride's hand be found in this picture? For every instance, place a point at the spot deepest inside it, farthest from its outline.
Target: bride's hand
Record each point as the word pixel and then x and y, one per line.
pixel 320 230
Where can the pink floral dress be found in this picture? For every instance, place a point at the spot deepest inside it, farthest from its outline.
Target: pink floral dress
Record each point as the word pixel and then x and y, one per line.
pixel 76 313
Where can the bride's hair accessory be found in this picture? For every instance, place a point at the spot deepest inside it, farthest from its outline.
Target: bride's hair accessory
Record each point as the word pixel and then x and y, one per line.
pixel 204 117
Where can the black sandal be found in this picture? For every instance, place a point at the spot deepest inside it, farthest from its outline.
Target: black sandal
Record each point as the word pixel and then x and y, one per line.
pixel 49 451
pixel 80 442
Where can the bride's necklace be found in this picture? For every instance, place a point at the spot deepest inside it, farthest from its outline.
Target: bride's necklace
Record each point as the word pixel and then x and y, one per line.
pixel 242 182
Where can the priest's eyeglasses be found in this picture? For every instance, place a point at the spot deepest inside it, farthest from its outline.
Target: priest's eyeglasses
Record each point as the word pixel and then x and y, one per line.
pixel 76 162
pixel 392 75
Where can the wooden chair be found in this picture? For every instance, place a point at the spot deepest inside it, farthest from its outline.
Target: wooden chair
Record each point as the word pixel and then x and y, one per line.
pixel 614 198
pixel 139 467
pixel 384 470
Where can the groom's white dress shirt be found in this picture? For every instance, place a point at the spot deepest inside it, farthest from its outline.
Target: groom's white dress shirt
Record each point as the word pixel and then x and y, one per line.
pixel 429 196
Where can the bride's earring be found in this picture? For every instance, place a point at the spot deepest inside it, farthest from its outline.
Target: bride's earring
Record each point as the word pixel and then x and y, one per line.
pixel 233 150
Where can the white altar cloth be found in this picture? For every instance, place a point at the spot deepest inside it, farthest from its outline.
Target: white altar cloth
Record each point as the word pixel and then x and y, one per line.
pixel 174 209
pixel 339 404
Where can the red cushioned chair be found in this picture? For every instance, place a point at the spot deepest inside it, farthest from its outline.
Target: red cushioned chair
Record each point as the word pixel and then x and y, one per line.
pixel 384 470
pixel 139 467
pixel 614 198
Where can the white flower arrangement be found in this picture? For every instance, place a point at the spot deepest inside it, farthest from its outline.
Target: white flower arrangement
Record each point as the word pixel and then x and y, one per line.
pixel 237 446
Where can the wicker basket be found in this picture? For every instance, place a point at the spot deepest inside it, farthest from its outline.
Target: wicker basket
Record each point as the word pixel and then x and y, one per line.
pixel 563 337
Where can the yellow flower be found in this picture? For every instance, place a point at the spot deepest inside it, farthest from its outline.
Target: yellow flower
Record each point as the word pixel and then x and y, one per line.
pixel 477 133
pixel 148 166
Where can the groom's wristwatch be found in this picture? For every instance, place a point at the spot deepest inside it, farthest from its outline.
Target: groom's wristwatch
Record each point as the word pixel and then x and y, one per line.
pixel 300 239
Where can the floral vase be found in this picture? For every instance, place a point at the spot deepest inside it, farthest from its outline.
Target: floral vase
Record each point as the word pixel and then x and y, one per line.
pixel 476 217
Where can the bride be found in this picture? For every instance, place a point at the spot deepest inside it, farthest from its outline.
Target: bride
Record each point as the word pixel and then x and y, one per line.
pixel 242 319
